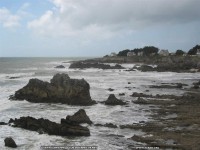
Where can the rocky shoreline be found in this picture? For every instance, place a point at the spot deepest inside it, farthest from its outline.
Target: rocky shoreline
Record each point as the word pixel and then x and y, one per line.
pixel 174 119
pixel 163 63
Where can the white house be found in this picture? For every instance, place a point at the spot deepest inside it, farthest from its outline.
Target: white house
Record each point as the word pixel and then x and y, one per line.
pixel 140 53
pixel 113 54
pixel 164 53
pixel 198 52
pixel 129 54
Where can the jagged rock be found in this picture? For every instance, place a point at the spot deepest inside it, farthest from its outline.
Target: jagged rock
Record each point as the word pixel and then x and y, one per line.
pixel 61 89
pixel 9 142
pixel 83 65
pixel 112 100
pixel 79 117
pixel 60 66
pixel 45 126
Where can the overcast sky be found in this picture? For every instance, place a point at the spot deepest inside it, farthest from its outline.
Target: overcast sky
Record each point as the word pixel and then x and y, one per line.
pixel 96 27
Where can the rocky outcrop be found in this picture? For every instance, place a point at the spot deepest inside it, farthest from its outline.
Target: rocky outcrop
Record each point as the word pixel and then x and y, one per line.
pixel 83 65
pixel 9 142
pixel 49 127
pixel 60 66
pixel 61 89
pixel 79 117
pixel 112 100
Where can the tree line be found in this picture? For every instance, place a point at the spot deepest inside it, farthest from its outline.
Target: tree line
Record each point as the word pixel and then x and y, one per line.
pixel 149 50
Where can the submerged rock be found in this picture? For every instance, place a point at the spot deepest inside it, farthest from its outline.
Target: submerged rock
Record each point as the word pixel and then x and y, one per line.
pixel 110 89
pixel 3 123
pixel 60 66
pixel 61 89
pixel 9 142
pixel 52 128
pixel 112 100
pixel 109 125
pixel 79 117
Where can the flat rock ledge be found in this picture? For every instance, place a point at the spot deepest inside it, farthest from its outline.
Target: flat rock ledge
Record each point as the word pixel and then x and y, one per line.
pixel 84 65
pixel 61 89
pixel 52 128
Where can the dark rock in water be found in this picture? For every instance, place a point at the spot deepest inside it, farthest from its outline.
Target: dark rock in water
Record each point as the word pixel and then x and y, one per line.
pixel 79 117
pixel 131 69
pixel 3 123
pixel 110 89
pixel 61 89
pixel 129 82
pixel 196 86
pixel 112 100
pixel 140 101
pixel 9 142
pixel 83 65
pixel 109 125
pixel 145 68
pixel 52 128
pixel 121 94
pixel 60 66
pixel 178 85
pixel 135 94
pixel 14 77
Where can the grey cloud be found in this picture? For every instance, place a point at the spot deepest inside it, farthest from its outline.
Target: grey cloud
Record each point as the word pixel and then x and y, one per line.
pixel 127 13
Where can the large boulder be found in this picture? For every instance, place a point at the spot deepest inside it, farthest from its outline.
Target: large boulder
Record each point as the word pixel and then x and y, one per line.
pixel 9 142
pixel 79 117
pixel 112 100
pixel 49 127
pixel 61 89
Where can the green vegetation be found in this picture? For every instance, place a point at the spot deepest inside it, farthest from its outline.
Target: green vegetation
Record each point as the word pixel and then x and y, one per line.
pixel 180 52
pixel 147 51
pixel 193 51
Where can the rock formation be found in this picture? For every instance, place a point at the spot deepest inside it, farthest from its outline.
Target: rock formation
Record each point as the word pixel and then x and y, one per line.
pixel 60 66
pixel 45 126
pixel 61 89
pixel 79 117
pixel 83 65
pixel 112 100
pixel 9 142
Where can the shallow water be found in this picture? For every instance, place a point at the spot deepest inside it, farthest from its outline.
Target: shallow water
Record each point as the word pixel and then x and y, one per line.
pixel 99 80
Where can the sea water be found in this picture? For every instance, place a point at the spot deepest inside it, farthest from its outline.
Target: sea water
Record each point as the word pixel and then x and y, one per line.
pixel 16 72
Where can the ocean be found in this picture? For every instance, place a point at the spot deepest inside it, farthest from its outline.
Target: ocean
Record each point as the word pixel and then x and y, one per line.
pixel 16 72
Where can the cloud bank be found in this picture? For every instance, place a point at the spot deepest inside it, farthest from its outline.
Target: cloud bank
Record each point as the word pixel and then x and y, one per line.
pixel 104 19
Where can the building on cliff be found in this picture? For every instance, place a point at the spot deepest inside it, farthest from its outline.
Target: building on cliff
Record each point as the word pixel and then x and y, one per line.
pixel 164 53
pixel 129 54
